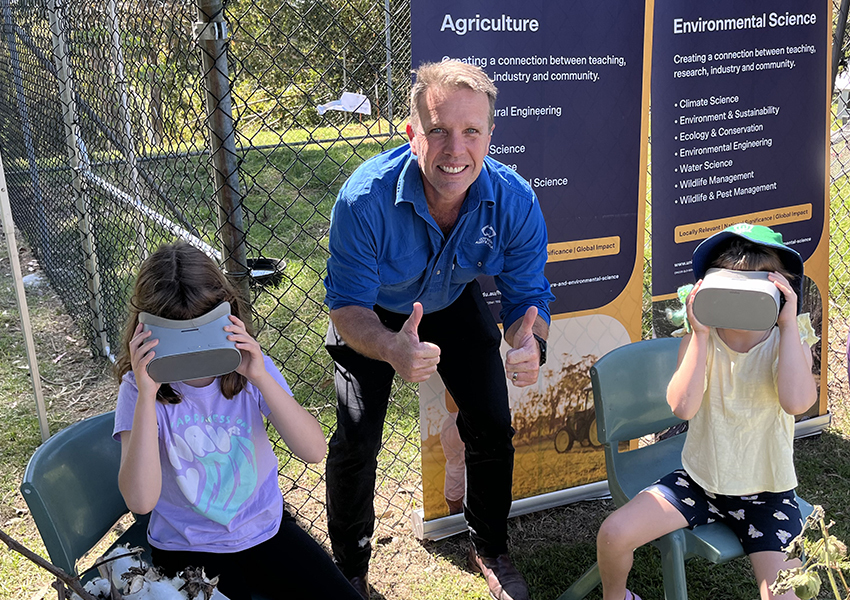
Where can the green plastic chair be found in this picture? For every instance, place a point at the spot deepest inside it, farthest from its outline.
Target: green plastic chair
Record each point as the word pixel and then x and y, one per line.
pixel 71 487
pixel 629 391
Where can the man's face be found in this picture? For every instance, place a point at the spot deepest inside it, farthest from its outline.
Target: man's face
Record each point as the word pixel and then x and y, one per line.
pixel 451 141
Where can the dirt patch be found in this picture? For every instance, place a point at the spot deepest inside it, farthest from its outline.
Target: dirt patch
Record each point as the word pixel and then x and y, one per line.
pixel 75 384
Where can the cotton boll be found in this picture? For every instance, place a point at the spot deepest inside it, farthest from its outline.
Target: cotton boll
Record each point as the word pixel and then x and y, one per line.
pixel 99 588
pixel 156 590
pixel 142 590
pixel 175 582
pixel 163 590
pixel 136 584
pixel 121 565
pixel 198 585
pixel 216 595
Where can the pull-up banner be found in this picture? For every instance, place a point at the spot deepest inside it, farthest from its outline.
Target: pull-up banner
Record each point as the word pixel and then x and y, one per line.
pixel 740 119
pixel 571 118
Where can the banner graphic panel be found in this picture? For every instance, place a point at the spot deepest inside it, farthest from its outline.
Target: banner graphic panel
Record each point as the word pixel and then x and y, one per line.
pixel 571 119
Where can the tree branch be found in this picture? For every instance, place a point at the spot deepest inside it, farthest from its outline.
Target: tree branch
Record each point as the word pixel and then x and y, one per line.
pixel 72 582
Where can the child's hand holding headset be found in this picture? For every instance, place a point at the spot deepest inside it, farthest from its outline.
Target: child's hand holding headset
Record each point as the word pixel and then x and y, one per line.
pixel 141 354
pixel 788 312
pixel 252 366
pixel 697 327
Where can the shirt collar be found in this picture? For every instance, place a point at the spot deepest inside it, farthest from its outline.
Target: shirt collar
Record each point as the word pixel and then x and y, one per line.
pixel 410 188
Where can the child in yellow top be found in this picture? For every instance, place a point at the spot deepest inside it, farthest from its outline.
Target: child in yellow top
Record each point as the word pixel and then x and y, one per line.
pixel 739 390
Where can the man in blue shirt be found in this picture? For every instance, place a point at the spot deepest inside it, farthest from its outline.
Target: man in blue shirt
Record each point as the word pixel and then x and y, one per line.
pixel 411 230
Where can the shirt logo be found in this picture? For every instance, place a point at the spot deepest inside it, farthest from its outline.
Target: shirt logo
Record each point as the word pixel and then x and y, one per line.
pixel 488 233
pixel 216 469
pixel 741 228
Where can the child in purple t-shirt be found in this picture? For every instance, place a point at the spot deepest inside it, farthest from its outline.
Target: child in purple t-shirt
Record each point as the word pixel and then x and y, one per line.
pixel 195 454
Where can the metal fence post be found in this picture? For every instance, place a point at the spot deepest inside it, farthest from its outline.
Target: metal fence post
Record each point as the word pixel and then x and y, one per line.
pixel 211 34
pixel 26 130
pixel 389 42
pixel 127 138
pixel 838 41
pixel 78 161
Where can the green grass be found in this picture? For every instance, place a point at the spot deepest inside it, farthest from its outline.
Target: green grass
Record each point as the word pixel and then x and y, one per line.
pixel 823 468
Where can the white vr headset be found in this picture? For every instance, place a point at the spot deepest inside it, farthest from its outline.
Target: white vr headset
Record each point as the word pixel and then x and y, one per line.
pixel 191 349
pixel 737 300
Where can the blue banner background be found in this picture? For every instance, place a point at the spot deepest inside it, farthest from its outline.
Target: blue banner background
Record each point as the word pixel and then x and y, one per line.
pixel 595 142
pixel 794 164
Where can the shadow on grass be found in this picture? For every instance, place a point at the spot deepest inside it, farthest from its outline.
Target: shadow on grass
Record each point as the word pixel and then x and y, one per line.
pixel 823 472
pixel 553 548
pixel 550 570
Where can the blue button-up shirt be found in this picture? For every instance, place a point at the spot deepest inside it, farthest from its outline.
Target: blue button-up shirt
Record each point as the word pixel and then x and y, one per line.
pixel 387 250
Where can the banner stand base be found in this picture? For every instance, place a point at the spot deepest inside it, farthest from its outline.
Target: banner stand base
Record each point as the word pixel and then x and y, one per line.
pixel 437 529
pixel 811 426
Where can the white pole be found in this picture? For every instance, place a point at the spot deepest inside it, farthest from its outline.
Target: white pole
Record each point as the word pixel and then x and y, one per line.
pixel 26 325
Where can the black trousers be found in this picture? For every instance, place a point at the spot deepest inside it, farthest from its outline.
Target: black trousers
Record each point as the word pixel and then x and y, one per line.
pixel 472 369
pixel 289 565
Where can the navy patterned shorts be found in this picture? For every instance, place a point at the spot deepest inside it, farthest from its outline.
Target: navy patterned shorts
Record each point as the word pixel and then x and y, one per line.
pixel 762 522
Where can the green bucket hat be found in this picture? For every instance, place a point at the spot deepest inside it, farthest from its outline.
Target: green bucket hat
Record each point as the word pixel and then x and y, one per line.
pixel 709 248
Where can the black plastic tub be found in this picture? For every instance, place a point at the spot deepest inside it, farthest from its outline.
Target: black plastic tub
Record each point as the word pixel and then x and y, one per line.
pixel 266 271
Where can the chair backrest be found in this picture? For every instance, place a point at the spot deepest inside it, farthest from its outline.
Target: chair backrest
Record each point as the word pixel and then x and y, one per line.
pixel 630 397
pixel 630 390
pixel 71 488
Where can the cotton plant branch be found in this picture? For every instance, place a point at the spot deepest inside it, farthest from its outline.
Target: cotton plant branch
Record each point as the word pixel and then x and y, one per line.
pixel 132 552
pixel 192 581
pixel 825 553
pixel 63 579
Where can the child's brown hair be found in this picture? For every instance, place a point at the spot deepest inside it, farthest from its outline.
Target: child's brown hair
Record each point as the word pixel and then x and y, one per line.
pixel 741 255
pixel 180 282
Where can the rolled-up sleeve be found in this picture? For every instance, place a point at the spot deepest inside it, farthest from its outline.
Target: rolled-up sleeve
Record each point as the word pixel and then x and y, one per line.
pixel 522 281
pixel 352 276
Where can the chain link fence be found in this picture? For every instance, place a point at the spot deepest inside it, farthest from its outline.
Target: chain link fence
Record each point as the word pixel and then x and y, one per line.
pixel 839 213
pixel 124 125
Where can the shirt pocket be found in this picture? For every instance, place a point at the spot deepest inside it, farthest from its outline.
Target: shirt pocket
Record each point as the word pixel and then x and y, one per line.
pixel 472 260
pixel 400 271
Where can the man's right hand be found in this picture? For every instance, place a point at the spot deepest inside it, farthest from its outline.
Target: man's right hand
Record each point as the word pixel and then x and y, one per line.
pixel 413 360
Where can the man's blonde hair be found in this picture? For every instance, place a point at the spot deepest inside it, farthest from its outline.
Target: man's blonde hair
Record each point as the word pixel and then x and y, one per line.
pixel 450 74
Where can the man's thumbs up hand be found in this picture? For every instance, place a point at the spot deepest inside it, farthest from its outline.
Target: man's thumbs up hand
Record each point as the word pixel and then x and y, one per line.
pixel 413 360
pixel 522 362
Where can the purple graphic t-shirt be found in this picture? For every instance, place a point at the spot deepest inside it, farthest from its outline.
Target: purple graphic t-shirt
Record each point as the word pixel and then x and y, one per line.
pixel 219 474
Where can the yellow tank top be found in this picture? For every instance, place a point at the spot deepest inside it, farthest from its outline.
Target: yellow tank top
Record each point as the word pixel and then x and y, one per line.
pixel 741 442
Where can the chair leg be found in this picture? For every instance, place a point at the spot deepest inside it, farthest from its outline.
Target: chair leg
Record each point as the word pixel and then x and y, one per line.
pixel 583 585
pixel 672 547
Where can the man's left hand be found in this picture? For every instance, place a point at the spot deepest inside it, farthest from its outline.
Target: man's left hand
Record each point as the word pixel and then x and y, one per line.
pixel 522 362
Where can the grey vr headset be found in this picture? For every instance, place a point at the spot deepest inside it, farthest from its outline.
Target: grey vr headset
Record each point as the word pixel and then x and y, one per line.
pixel 191 349
pixel 737 300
